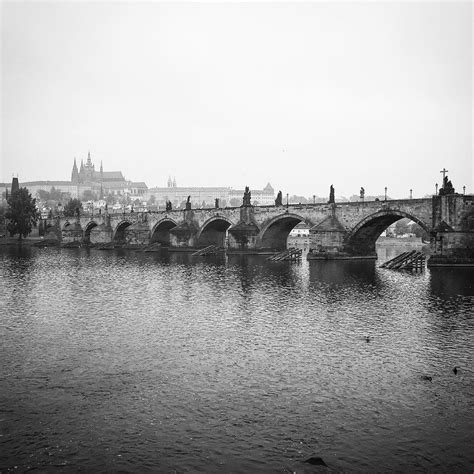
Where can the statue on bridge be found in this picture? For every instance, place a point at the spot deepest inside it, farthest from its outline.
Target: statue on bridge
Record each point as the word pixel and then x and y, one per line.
pixel 362 194
pixel 447 187
pixel 188 203
pixel 168 206
pixel 331 195
pixel 247 197
pixel 279 199
pixel 216 203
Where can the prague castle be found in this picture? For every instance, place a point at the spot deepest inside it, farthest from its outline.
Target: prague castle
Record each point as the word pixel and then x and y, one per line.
pixel 87 179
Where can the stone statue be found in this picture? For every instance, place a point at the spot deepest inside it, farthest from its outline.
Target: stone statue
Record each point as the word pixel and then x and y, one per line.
pixel 447 187
pixel 216 203
pixel 331 195
pixel 168 205
pixel 247 197
pixel 188 203
pixel 279 199
pixel 362 193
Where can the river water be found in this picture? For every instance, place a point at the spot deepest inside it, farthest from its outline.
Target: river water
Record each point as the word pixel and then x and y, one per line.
pixel 140 362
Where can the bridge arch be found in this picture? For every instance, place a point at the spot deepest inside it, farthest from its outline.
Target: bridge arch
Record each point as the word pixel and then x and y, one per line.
pixel 87 232
pixel 213 232
pixel 161 231
pixel 361 239
pixel 118 236
pixel 274 234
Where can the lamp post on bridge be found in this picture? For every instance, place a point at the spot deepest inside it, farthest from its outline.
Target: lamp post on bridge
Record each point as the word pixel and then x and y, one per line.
pixel 464 189
pixel 411 193
pixel 385 192
pixel 286 202
pixel 436 189
pixel 314 198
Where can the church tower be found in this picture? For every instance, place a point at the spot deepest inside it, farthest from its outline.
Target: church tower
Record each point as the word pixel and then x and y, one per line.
pixel 81 172
pixel 75 173
pixel 89 168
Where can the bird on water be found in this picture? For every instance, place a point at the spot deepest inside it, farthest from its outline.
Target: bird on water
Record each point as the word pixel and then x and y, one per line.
pixel 455 370
pixel 426 377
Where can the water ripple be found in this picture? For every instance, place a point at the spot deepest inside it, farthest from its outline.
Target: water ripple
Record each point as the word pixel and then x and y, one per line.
pixel 123 361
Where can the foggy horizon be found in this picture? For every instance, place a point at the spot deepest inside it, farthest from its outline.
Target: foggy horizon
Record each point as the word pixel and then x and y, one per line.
pixel 300 95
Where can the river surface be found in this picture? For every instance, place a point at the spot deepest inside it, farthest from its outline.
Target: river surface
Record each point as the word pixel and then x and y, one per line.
pixel 125 361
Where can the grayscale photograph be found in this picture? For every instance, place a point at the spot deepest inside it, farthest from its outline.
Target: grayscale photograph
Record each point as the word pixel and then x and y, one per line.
pixel 236 237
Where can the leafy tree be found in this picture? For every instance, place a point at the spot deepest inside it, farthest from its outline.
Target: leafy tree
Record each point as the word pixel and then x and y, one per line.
pixel 401 227
pixel 70 209
pixel 21 214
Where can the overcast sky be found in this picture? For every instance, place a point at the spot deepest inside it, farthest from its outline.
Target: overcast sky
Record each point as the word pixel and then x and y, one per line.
pixel 301 95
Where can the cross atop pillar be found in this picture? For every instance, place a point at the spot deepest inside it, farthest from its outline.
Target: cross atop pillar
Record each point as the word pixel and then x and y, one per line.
pixel 444 171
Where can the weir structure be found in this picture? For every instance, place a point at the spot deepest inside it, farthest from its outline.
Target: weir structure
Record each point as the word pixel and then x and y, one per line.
pixel 337 230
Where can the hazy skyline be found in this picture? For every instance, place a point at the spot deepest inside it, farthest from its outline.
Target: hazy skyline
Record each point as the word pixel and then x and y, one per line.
pixel 302 95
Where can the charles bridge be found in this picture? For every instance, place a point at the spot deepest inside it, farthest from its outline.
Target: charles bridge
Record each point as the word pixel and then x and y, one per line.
pixel 337 230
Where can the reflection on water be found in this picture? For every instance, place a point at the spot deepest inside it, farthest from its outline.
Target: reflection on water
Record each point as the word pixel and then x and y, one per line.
pixel 131 361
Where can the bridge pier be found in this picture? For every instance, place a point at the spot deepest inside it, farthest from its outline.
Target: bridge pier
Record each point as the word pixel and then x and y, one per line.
pixel 102 234
pixel 453 230
pixel 72 234
pixel 242 237
pixel 327 240
pixel 184 235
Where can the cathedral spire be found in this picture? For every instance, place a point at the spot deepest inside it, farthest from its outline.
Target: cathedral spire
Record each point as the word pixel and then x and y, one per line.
pixel 75 173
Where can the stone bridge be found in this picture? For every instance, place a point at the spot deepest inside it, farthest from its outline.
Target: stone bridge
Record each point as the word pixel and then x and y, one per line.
pixel 337 230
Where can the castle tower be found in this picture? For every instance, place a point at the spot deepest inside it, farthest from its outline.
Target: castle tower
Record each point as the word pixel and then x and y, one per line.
pixel 170 183
pixel 174 182
pixel 15 185
pixel 75 173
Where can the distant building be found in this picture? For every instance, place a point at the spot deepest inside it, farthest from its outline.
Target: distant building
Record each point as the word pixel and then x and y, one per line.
pixel 259 197
pixel 206 195
pixel 300 230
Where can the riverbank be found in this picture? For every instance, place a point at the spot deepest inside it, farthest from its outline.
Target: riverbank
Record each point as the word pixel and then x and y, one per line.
pixel 28 241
